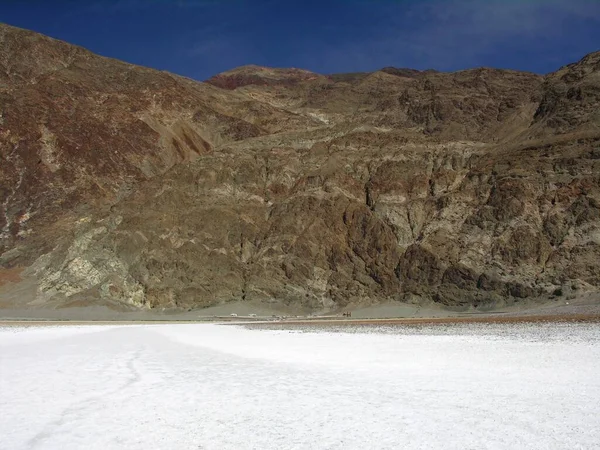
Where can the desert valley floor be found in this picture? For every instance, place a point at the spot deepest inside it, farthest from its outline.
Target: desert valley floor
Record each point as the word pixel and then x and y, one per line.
pixel 210 386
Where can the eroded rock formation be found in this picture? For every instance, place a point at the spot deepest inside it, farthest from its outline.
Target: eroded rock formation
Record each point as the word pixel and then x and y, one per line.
pixel 124 184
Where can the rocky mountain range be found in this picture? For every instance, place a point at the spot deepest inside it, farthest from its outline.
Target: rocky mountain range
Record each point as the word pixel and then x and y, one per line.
pixel 123 185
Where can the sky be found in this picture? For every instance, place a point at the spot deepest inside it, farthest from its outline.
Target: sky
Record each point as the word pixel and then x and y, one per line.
pixel 199 38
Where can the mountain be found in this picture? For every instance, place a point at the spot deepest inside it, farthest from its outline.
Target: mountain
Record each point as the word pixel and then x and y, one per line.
pixel 122 185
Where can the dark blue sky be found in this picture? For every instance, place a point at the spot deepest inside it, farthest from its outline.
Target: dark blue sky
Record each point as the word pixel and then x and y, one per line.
pixel 198 38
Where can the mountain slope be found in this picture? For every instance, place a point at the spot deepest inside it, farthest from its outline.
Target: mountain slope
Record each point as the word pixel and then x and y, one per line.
pixel 280 186
pixel 79 129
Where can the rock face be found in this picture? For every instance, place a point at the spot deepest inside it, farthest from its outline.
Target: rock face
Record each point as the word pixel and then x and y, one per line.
pixel 124 184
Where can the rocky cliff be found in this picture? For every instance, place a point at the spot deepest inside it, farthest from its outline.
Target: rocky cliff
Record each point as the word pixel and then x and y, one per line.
pixel 124 184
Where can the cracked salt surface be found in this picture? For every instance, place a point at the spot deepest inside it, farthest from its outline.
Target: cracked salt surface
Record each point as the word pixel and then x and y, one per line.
pixel 226 387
